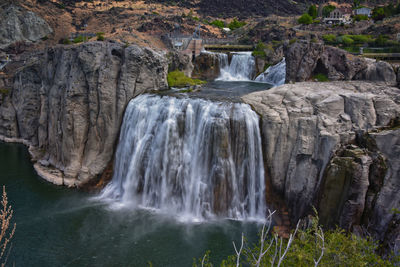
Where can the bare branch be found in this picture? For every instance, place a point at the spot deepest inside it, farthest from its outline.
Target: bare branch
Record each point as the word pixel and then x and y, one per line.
pixel 322 237
pixel 290 241
pixel 238 252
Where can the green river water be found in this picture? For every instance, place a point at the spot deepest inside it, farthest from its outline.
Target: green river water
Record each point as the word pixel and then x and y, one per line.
pixel 57 226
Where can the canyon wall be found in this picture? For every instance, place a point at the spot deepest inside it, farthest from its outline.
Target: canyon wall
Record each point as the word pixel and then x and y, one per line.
pixel 67 103
pixel 334 146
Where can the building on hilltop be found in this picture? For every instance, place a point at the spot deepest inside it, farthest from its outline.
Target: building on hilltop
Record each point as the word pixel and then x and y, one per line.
pixel 339 15
pixel 363 11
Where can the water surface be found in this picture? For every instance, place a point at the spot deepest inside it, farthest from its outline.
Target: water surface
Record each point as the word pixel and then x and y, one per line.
pixel 57 226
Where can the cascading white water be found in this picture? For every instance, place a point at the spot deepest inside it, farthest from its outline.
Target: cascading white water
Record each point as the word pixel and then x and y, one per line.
pixel 190 157
pixel 275 75
pixel 241 67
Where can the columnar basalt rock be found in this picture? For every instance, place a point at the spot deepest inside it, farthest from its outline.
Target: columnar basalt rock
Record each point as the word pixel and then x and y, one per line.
pixel 68 105
pixel 304 127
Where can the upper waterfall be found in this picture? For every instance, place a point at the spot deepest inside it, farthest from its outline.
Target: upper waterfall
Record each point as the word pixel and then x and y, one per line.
pixel 275 74
pixel 191 157
pixel 241 68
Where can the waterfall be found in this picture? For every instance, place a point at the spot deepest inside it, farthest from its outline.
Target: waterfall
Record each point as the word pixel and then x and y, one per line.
pixel 241 68
pixel 275 75
pixel 190 157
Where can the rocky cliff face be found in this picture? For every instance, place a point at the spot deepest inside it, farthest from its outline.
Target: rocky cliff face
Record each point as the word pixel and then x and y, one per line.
pixel 335 146
pixel 206 67
pixel 18 24
pixel 68 105
pixel 306 59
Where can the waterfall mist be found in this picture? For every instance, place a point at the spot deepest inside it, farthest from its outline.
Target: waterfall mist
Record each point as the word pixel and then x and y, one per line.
pixel 190 157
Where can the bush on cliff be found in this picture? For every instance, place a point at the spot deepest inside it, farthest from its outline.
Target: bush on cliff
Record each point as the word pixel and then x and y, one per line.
pixel 305 19
pixel 310 246
pixel 235 24
pixel 218 23
pixel 259 50
pixel 179 79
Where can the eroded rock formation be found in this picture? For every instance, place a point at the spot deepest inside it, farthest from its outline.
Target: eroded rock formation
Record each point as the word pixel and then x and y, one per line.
pixel 329 145
pixel 18 24
pixel 306 59
pixel 68 105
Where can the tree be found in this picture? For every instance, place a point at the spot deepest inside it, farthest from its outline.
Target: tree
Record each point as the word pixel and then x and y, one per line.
pixel 305 19
pixel 327 10
pixel 378 13
pixel 312 11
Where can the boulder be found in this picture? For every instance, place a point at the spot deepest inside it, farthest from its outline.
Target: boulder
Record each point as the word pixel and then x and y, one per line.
pixel 18 24
pixel 69 104
pixel 206 66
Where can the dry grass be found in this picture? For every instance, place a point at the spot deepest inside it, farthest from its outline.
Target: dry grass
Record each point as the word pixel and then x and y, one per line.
pixel 7 228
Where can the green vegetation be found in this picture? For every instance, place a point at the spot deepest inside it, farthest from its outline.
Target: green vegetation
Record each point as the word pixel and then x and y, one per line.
pixel 346 40
pixel 321 77
pixel 312 11
pixel 360 17
pixel 80 39
pixel 100 36
pixel 179 79
pixel 305 247
pixel 235 24
pixel 292 41
pixel 66 41
pixel 305 19
pixel 327 10
pixel 329 38
pixel 259 50
pixel 4 91
pixel 379 13
pixel 381 40
pixel 218 23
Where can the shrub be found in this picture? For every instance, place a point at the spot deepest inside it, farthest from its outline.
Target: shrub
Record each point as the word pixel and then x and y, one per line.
pixel 321 77
pixel 79 39
pixel 381 40
pixel 305 247
pixel 66 41
pixel 100 36
pixel 312 11
pixel 292 41
pixel 360 17
pixel 347 40
pixel 218 23
pixel 378 13
pixel 179 79
pixel 327 10
pixel 329 38
pixel 361 39
pixel 235 24
pixel 305 19
pixel 259 50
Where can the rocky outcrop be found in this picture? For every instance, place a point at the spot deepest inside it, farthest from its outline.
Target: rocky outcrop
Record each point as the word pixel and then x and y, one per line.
pixel 306 59
pixel 19 24
pixel 328 145
pixel 206 66
pixel 68 105
pixel 180 61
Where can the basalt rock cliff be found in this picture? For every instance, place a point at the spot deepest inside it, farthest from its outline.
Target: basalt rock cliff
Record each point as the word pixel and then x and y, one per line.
pixel 304 60
pixel 334 146
pixel 67 103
